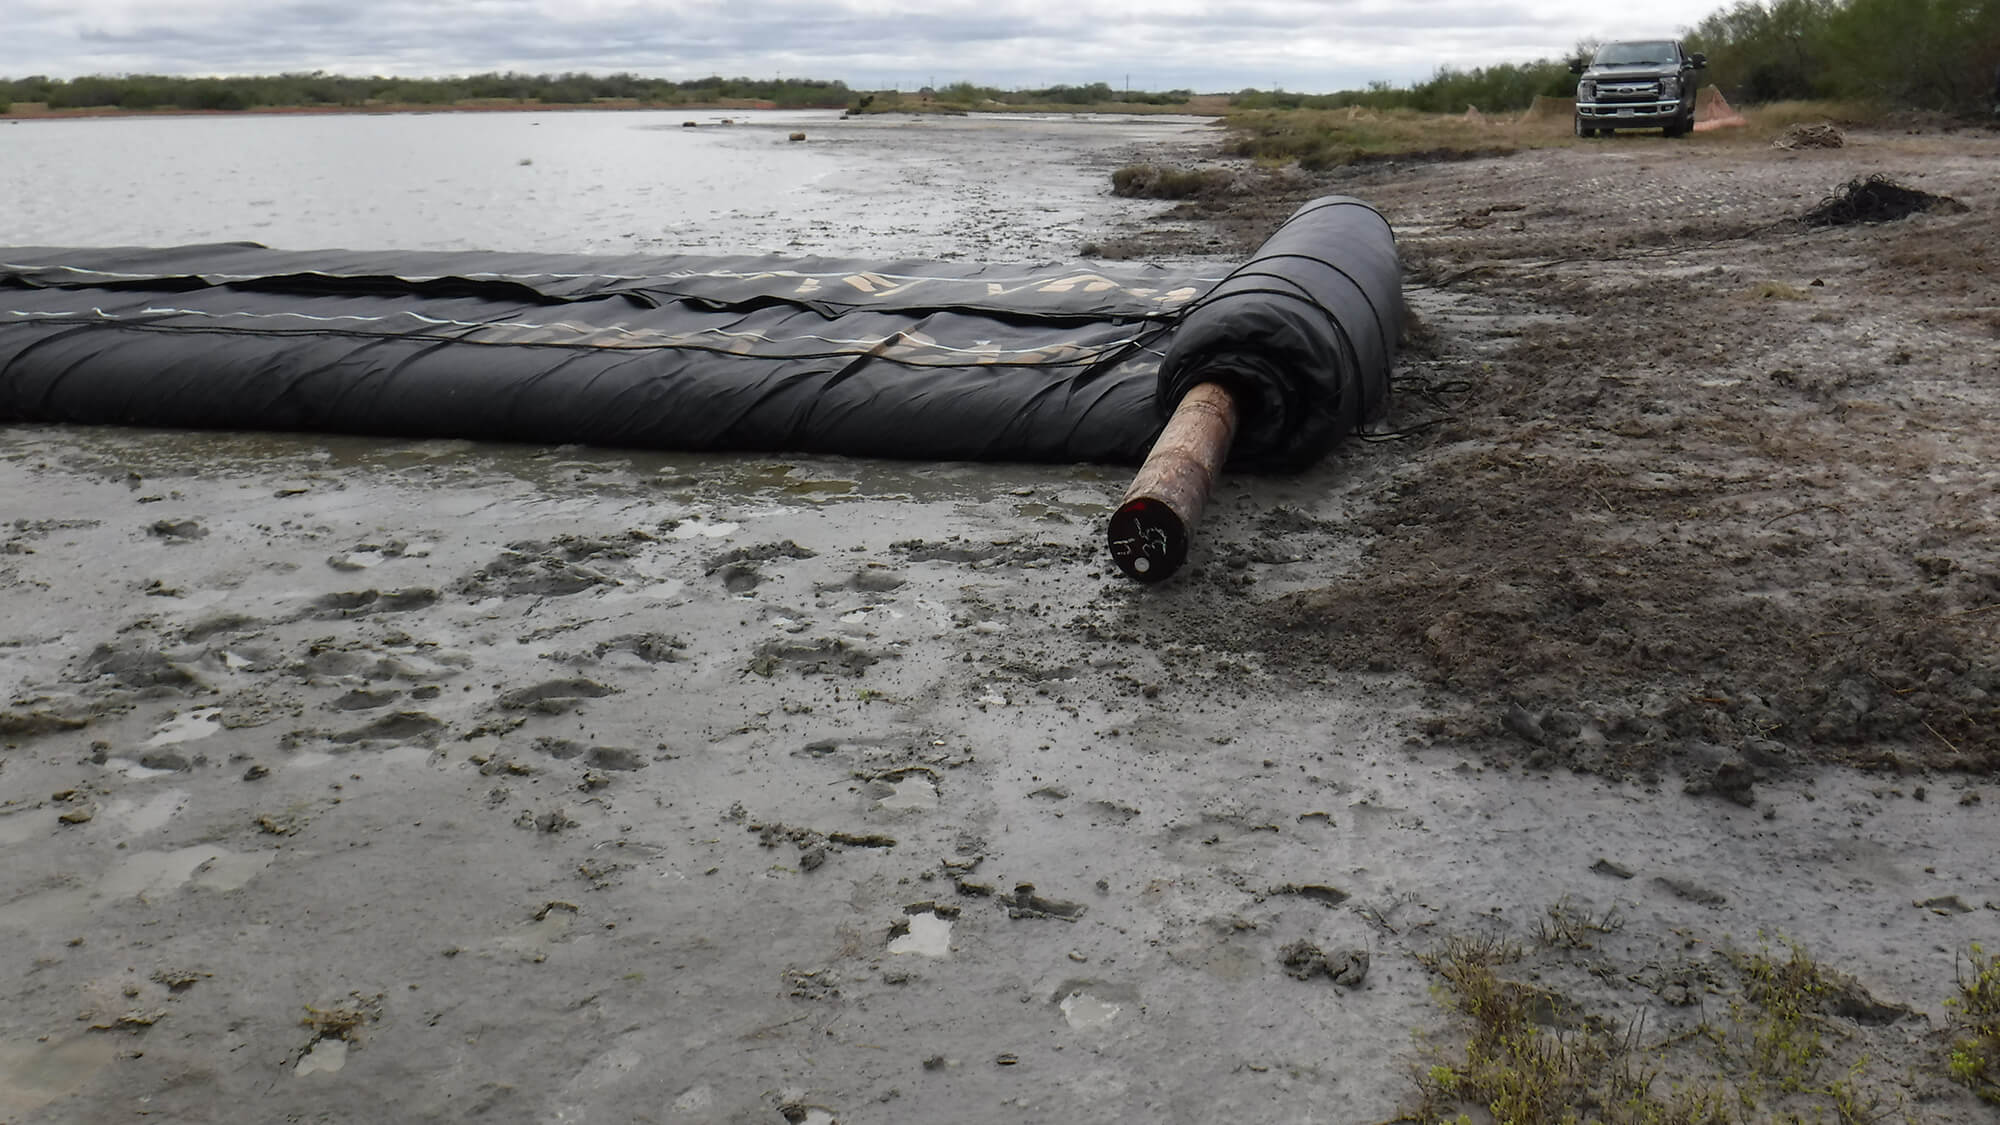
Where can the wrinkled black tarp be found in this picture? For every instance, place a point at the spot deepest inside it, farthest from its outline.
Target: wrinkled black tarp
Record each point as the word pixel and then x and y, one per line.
pixel 901 359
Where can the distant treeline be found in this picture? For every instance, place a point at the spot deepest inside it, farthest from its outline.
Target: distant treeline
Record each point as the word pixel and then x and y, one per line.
pixel 1491 88
pixel 1097 93
pixel 1916 54
pixel 151 91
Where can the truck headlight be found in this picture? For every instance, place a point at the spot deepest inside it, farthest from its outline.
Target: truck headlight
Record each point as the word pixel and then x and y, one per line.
pixel 1586 91
pixel 1670 87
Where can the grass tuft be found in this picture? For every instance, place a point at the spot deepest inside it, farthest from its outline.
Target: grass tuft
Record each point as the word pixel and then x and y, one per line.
pixel 1151 181
pixel 1975 1011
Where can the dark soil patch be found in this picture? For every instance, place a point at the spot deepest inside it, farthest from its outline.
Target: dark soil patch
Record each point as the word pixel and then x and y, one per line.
pixel 1876 199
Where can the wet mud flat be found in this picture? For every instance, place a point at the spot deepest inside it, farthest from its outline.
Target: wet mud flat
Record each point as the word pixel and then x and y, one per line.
pixel 342 778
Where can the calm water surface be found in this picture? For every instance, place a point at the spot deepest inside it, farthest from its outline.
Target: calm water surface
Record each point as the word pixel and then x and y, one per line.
pixel 995 188
pixel 517 181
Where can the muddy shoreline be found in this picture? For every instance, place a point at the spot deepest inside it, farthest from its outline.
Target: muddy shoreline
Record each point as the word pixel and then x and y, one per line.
pixel 345 778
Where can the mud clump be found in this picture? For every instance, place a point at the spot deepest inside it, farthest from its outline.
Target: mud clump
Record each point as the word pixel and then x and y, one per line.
pixel 177 531
pixel 1810 136
pixel 653 648
pixel 1304 961
pixel 762 552
pixel 1026 903
pixel 33 724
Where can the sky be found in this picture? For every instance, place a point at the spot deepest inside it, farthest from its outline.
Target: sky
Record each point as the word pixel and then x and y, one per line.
pixel 1203 45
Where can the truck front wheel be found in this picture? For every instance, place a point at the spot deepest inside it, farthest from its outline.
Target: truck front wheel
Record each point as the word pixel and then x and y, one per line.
pixel 1583 130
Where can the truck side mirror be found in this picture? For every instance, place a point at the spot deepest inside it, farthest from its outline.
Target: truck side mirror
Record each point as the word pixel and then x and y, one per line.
pixel 1698 60
pixel 1576 66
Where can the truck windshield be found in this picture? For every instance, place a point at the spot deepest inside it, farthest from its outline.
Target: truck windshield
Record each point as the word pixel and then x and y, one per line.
pixel 1634 54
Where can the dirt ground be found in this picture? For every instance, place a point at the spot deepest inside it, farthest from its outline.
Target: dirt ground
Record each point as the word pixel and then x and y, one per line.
pixel 1690 470
pixel 346 779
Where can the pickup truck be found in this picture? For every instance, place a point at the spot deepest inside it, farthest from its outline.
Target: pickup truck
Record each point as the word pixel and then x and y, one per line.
pixel 1637 84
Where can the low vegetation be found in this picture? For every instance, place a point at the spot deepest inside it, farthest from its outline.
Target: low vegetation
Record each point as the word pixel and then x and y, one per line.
pixel 1776 1051
pixel 1152 181
pixel 1975 1011
pixel 1321 139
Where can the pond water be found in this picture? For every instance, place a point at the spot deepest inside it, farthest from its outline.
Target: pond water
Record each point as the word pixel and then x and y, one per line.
pixel 612 182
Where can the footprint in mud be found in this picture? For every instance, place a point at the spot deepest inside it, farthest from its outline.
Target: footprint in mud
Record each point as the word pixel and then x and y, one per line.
pixel 867 580
pixel 372 665
pixel 361 699
pixel 133 665
pixel 218 623
pixel 554 697
pixel 596 757
pixel 403 726
pixel 824 656
pixel 740 578
pixel 361 603
pixel 559 567
pixel 364 555
pixel 877 580
pixel 952 550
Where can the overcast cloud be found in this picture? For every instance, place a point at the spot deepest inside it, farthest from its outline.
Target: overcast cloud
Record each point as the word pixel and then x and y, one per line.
pixel 1311 45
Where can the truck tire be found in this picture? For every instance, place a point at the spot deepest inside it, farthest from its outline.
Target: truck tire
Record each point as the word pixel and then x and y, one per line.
pixel 1583 130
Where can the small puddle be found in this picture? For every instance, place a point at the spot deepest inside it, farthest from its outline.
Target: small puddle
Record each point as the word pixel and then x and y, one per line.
pixel 140 817
pixel 198 723
pixel 142 874
pixel 26 824
pixel 326 1057
pixel 703 529
pixel 913 793
pixel 1081 1010
pixel 204 865
pixel 928 936
pixel 34 1074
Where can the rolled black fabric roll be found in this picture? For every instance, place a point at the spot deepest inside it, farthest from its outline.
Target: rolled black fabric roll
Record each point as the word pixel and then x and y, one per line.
pixel 1303 334
pixel 898 359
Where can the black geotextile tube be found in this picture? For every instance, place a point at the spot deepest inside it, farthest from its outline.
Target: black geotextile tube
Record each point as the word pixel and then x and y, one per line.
pixel 902 359
pixel 1303 335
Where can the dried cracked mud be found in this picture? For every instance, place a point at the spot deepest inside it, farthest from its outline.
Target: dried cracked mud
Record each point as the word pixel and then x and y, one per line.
pixel 344 779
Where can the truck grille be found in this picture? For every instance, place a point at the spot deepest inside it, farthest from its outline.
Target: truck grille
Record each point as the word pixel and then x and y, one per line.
pixel 1628 91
